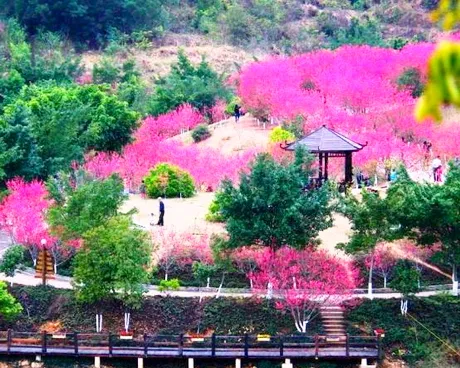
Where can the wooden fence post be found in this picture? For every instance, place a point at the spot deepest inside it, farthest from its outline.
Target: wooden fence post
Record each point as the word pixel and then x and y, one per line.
pixel 8 341
pixel 181 344
pixel 246 345
pixel 146 345
pixel 281 347
pixel 75 342
pixel 110 345
pixel 44 342
pixel 347 345
pixel 213 345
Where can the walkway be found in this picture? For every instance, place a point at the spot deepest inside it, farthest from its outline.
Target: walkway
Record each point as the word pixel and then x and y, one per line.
pixel 27 277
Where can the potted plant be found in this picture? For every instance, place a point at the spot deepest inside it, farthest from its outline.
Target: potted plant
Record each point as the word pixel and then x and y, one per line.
pixel 126 335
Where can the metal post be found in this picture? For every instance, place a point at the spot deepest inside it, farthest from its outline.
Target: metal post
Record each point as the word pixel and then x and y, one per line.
pixel 246 345
pixel 110 345
pixel 44 342
pixel 347 346
pixel 75 342
pixel 281 347
pixel 8 341
pixel 213 345
pixel 146 345
pixel 181 344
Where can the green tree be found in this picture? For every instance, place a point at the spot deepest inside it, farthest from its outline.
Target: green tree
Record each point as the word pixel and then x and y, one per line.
pixel 198 85
pixel 87 207
pixel 411 80
pixel 269 206
pixel 47 128
pixel 84 21
pixel 12 259
pixel 112 263
pixel 429 214
pixel 9 307
pixel 166 180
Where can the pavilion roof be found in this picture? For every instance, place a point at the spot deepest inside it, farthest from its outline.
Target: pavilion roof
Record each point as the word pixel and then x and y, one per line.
pixel 326 140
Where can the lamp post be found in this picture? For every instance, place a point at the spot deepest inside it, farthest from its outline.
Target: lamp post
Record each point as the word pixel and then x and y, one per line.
pixel 43 243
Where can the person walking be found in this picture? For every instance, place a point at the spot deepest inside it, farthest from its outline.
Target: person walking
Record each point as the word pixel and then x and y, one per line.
pixel 437 169
pixel 162 212
pixel 237 111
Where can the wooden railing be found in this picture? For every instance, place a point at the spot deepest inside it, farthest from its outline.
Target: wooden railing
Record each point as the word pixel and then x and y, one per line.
pixel 228 346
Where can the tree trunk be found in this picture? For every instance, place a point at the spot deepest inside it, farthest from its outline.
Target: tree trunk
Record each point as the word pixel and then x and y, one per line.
pixel 55 268
pixel 454 280
pixel 127 320
pixel 404 306
pixel 166 276
pixel 369 284
pixel 220 286
pixel 385 281
pixel 208 282
pixel 98 322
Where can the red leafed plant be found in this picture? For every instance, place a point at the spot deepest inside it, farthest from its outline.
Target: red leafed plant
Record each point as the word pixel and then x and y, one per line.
pixel 301 281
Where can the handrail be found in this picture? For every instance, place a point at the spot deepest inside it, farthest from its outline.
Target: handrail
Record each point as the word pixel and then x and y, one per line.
pixel 77 344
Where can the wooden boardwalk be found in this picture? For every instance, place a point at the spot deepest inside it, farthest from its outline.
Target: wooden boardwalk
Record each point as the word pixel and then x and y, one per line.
pixel 180 346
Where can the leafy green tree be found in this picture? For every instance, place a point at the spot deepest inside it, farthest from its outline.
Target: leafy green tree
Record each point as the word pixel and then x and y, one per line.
pixel 429 214
pixel 269 207
pixel 112 263
pixel 84 21
pixel 198 85
pixel 12 259
pixel 9 307
pixel 166 180
pixel 47 128
pixel 86 208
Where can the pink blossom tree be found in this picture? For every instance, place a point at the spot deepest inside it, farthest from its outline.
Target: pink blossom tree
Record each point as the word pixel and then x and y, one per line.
pixel 381 260
pixel 22 215
pixel 302 281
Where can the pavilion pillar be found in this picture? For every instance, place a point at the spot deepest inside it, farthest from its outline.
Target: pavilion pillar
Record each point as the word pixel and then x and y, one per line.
pixel 348 167
pixel 326 162
pixel 320 171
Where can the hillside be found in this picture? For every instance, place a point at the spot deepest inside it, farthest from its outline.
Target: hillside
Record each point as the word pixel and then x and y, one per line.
pixel 230 36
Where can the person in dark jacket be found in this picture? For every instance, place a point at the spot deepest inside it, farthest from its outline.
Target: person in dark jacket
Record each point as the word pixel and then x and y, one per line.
pixel 162 212
pixel 237 113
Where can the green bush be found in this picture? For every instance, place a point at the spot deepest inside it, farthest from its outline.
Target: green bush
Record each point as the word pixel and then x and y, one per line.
pixel 214 214
pixel 166 180
pixel 200 133
pixel 167 285
pixel 411 80
pixel 279 134
pixel 364 31
pixel 12 259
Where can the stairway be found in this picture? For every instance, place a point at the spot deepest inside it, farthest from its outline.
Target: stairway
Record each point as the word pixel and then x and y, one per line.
pixel 333 320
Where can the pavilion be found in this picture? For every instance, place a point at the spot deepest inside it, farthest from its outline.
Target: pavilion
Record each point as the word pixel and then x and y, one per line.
pixel 325 143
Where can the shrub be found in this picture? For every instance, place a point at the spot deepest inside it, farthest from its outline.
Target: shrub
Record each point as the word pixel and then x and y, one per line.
pixel 169 181
pixel 200 133
pixel 214 214
pixel 166 285
pixel 411 80
pixel 13 257
pixel 279 134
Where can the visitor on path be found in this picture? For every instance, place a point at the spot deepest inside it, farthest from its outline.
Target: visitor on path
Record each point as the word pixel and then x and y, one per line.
pixel 393 175
pixel 237 113
pixel 162 212
pixel 142 189
pixel 437 169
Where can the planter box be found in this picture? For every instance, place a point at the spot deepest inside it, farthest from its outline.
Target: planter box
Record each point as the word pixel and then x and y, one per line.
pixel 197 339
pixel 59 336
pixel 126 337
pixel 263 338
